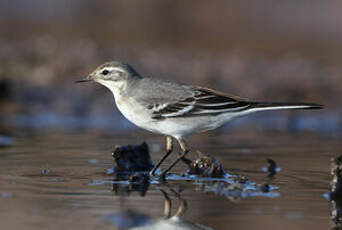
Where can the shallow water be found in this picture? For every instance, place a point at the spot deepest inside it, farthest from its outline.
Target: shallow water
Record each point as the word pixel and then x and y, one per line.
pixel 58 181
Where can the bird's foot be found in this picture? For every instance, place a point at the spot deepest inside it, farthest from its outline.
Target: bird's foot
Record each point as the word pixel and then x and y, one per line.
pixel 158 176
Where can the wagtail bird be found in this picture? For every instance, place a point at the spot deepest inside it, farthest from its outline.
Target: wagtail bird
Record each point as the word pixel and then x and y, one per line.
pixel 173 109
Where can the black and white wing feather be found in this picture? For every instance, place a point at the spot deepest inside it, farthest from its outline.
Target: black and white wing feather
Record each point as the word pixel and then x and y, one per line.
pixel 207 102
pixel 202 102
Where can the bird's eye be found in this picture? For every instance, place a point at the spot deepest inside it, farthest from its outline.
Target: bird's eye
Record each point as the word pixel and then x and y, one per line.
pixel 105 72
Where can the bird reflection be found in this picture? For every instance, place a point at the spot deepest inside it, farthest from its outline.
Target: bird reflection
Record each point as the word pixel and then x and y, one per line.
pixel 169 221
pixel 126 184
pixel 205 173
pixel 134 220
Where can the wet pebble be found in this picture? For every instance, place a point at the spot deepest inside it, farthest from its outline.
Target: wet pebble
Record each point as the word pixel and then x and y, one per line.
pixel 45 171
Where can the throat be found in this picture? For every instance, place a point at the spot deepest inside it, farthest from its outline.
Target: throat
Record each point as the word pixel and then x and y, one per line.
pixel 117 88
pixel 116 93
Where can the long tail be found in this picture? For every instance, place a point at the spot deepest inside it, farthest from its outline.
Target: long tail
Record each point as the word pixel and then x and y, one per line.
pixel 262 106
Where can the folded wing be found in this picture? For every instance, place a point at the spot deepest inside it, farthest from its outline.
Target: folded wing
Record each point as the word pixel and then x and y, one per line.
pixel 203 102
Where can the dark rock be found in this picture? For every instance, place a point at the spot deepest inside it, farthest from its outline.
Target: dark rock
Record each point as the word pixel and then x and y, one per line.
pixel 335 193
pixel 265 188
pixel 272 169
pixel 206 166
pixel 336 182
pixel 132 158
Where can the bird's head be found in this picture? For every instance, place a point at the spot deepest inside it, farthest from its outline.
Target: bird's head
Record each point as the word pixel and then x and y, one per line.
pixel 114 75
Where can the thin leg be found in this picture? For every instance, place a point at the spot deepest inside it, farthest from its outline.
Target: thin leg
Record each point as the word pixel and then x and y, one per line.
pixel 183 204
pixel 179 157
pixel 185 160
pixel 167 205
pixel 169 147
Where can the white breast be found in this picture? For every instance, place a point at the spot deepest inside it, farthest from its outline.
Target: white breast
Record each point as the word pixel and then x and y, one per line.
pixel 141 117
pixel 176 127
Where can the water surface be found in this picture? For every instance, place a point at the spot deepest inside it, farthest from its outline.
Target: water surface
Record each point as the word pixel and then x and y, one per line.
pixel 54 181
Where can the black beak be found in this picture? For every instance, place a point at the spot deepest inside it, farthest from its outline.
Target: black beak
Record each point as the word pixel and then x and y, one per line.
pixel 83 80
pixel 87 79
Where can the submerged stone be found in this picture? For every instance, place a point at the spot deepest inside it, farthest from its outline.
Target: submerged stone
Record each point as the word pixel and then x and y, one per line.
pixel 45 171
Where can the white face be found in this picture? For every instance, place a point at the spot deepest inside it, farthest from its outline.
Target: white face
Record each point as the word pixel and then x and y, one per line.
pixel 113 78
pixel 112 85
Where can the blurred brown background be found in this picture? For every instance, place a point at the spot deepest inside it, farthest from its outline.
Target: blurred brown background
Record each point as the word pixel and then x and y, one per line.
pixel 265 50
